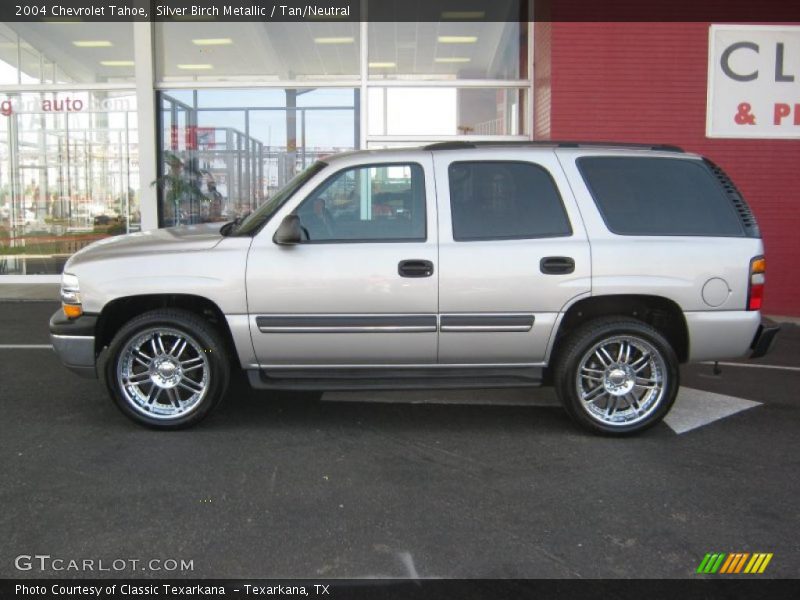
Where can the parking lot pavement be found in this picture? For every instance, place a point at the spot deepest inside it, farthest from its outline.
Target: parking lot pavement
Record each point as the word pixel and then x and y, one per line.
pixel 473 484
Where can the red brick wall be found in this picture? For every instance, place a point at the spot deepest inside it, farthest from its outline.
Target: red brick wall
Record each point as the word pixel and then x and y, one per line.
pixel 646 82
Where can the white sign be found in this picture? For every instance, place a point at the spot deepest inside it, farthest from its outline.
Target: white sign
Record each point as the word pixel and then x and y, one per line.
pixel 753 81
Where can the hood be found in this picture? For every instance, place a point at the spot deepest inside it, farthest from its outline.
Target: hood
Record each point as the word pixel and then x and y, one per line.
pixel 189 238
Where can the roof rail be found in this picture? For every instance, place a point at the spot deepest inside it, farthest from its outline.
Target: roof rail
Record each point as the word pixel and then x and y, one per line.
pixel 457 145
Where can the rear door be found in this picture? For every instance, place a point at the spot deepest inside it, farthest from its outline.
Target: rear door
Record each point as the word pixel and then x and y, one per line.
pixel 512 253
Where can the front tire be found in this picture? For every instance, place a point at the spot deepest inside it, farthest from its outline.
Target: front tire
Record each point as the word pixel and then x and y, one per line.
pixel 617 376
pixel 167 369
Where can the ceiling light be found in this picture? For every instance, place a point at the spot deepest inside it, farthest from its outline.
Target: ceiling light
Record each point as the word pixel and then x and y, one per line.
pixel 463 14
pixel 334 40
pixel 213 42
pixel 200 67
pixel 382 65
pixel 452 59
pixel 92 44
pixel 457 39
pixel 117 63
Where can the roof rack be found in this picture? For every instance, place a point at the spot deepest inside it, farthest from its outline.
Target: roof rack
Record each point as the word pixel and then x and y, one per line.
pixel 456 145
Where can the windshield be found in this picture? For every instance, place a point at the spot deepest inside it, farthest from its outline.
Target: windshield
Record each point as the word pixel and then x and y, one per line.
pixel 263 213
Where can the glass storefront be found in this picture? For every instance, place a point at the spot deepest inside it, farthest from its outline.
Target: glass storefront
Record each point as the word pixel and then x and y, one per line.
pixel 66 53
pixel 240 108
pixel 68 175
pixel 69 156
pixel 447 51
pixel 446 111
pixel 225 151
pixel 256 52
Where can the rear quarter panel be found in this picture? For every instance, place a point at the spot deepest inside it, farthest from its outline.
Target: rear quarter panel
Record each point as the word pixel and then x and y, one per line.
pixel 675 267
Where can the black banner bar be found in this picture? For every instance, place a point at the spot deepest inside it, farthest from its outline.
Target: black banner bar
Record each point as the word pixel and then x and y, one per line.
pixel 400 10
pixel 730 588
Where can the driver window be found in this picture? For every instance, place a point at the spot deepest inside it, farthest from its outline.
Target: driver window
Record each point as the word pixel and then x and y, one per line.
pixel 380 203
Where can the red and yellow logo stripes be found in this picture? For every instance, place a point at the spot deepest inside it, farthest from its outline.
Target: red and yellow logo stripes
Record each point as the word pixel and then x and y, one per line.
pixel 735 562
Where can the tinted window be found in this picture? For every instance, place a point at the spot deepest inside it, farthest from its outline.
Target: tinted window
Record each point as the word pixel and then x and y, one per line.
pixel 504 200
pixel 659 196
pixel 370 203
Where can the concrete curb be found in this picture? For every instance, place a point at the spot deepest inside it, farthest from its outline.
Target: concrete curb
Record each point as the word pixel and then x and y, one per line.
pixel 29 292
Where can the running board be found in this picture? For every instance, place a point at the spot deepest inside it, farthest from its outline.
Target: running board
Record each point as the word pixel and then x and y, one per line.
pixel 394 379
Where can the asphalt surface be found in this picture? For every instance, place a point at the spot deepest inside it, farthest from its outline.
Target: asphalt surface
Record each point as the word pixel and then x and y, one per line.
pixel 287 485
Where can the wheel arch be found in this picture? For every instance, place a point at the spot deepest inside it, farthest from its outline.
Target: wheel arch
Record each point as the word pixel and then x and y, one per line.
pixel 660 312
pixel 121 310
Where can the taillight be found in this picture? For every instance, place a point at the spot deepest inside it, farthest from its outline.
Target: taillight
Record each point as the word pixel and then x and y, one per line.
pixel 755 291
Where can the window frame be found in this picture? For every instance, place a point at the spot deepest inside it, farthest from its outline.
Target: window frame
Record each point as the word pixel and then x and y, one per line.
pixel 698 163
pixel 333 176
pixel 570 230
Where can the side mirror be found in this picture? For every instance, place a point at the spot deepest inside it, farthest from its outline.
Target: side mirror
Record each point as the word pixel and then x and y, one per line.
pixel 290 232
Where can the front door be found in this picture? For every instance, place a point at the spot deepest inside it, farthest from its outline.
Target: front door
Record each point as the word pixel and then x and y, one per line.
pixel 362 288
pixel 513 253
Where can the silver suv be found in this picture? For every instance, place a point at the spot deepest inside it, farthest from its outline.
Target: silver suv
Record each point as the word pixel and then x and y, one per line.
pixel 597 268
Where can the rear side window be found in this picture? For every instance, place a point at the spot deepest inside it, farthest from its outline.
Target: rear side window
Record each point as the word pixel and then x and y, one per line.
pixel 492 200
pixel 659 196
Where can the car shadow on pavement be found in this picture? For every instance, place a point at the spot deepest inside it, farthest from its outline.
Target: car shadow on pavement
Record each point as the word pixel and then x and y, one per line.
pixel 496 410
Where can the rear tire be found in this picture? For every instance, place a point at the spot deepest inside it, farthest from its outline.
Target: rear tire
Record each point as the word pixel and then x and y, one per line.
pixel 167 369
pixel 616 376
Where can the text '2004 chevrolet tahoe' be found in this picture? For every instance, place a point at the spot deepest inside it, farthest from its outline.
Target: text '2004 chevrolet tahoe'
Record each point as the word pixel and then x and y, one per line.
pixel 596 268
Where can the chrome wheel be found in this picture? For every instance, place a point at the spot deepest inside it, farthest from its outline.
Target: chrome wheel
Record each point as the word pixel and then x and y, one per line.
pixel 163 373
pixel 621 380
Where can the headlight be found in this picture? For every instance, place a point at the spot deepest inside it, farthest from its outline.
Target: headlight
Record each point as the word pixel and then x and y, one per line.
pixel 71 296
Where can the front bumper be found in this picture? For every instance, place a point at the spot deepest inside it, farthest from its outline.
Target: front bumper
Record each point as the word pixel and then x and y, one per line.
pixel 765 336
pixel 73 342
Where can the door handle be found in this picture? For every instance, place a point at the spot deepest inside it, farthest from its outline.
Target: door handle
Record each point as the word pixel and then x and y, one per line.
pixel 415 268
pixel 557 265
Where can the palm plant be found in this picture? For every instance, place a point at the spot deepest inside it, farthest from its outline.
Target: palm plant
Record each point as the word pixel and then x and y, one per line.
pixel 181 184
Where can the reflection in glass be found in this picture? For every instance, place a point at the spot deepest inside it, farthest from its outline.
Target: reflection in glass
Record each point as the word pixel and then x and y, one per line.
pixel 448 50
pixel 224 152
pixel 256 51
pixel 68 176
pixel 66 52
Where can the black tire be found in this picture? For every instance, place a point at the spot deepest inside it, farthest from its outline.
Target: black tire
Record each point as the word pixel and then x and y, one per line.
pixel 578 348
pixel 200 334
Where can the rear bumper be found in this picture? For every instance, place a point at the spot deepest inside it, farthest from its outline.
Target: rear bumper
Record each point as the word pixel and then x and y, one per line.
pixel 765 336
pixel 73 342
pixel 721 335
